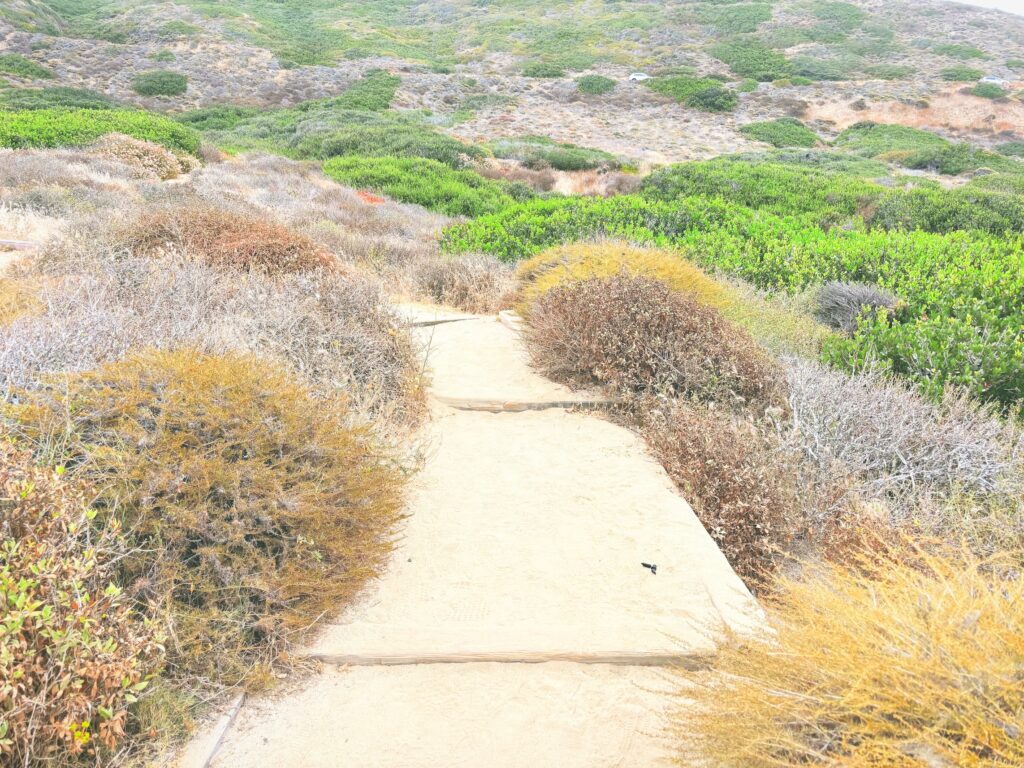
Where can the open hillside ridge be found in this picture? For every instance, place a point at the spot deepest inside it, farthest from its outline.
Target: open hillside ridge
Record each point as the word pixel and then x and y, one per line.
pixel 513 383
pixel 525 543
pixel 514 69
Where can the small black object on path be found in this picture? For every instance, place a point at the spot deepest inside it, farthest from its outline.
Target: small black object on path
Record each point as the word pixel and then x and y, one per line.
pixel 652 567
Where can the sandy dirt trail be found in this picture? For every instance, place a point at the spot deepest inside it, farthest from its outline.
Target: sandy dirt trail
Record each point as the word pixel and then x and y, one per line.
pixel 524 544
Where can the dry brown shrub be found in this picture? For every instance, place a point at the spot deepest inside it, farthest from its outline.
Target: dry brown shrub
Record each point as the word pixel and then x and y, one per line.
pixel 642 337
pixel 73 657
pixel 224 237
pixel 149 158
pixel 741 485
pixel 906 659
pixel 470 283
pixel 255 508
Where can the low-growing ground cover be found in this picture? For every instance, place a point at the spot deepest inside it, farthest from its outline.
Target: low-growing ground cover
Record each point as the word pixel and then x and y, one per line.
pixel 53 97
pixel 699 92
pixel 160 83
pixel 22 66
pixel 79 127
pixel 425 182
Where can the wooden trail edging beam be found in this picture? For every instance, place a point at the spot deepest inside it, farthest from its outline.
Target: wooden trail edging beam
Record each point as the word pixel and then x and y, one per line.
pixel 518 406
pixel 18 245
pixel 693 660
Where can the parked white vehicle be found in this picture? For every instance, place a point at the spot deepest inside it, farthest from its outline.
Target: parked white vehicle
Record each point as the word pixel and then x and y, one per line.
pixel 639 77
pixel 993 80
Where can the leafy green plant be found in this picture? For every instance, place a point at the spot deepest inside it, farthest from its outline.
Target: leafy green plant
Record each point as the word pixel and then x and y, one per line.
pixel 22 66
pixel 68 627
pixel 543 69
pixel 160 83
pixel 164 55
pixel 959 51
pixel 595 85
pixel 962 74
pixel 1011 148
pixel 953 159
pixel 783 132
pixel 540 152
pixel 753 60
pixel 219 118
pixel 988 91
pixel 56 96
pixel 78 127
pixel 873 139
pixel 889 71
pixel 424 182
pixel 734 18
pixel 699 92
pixel 839 15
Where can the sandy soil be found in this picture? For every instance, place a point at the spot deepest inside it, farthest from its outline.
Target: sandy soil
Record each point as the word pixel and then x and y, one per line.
pixel 526 536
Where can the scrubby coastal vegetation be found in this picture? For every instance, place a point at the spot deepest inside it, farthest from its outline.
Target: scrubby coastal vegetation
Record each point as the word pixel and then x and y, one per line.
pixel 814 320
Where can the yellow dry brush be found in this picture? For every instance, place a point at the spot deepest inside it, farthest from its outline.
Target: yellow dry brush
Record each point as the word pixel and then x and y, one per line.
pixel 778 328
pixel 908 659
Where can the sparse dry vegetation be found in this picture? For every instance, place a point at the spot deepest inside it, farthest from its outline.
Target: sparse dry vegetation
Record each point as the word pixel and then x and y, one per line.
pixel 901 658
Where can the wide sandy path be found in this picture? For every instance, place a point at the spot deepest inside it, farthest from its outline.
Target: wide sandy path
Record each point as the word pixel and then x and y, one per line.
pixel 524 543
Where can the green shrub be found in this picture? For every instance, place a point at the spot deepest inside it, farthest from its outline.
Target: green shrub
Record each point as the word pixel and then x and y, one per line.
pixel 953 159
pixel 252 507
pixel 935 210
pixel 543 69
pixel 22 66
pixel 753 60
pixel 1015 63
pixel 174 30
pixel 217 118
pixel 160 83
pixel 747 86
pixel 1011 148
pixel 782 189
pixel 539 152
pixel 873 139
pixel 522 230
pixel 988 91
pixel 79 127
pixel 699 92
pixel 734 18
pixel 800 80
pixel 821 69
pixel 962 74
pixel 783 132
pixel 57 96
pixel 839 15
pixel 424 182
pixel 163 56
pixel 595 85
pixel 959 51
pixel 715 99
pixel 374 92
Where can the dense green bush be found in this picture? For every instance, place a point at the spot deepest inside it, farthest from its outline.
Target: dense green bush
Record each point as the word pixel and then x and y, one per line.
pixel 79 127
pixel 782 189
pixel 22 66
pixel 952 159
pixel 714 99
pixel 57 96
pixel 889 71
pixel 936 210
pixel 219 118
pixel 595 85
pixel 873 139
pixel 844 16
pixel 959 51
pixel 523 230
pixel 424 182
pixel 704 93
pixel 374 92
pixel 1011 148
pixel 783 132
pixel 540 152
pixel 734 18
pixel 962 74
pixel 822 69
pixel 988 91
pixel 753 60
pixel 543 69
pixel 160 83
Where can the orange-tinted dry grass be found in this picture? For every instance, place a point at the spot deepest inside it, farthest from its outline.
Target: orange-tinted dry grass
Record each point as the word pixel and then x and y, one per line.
pixel 225 238
pixel 16 300
pixel 905 660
